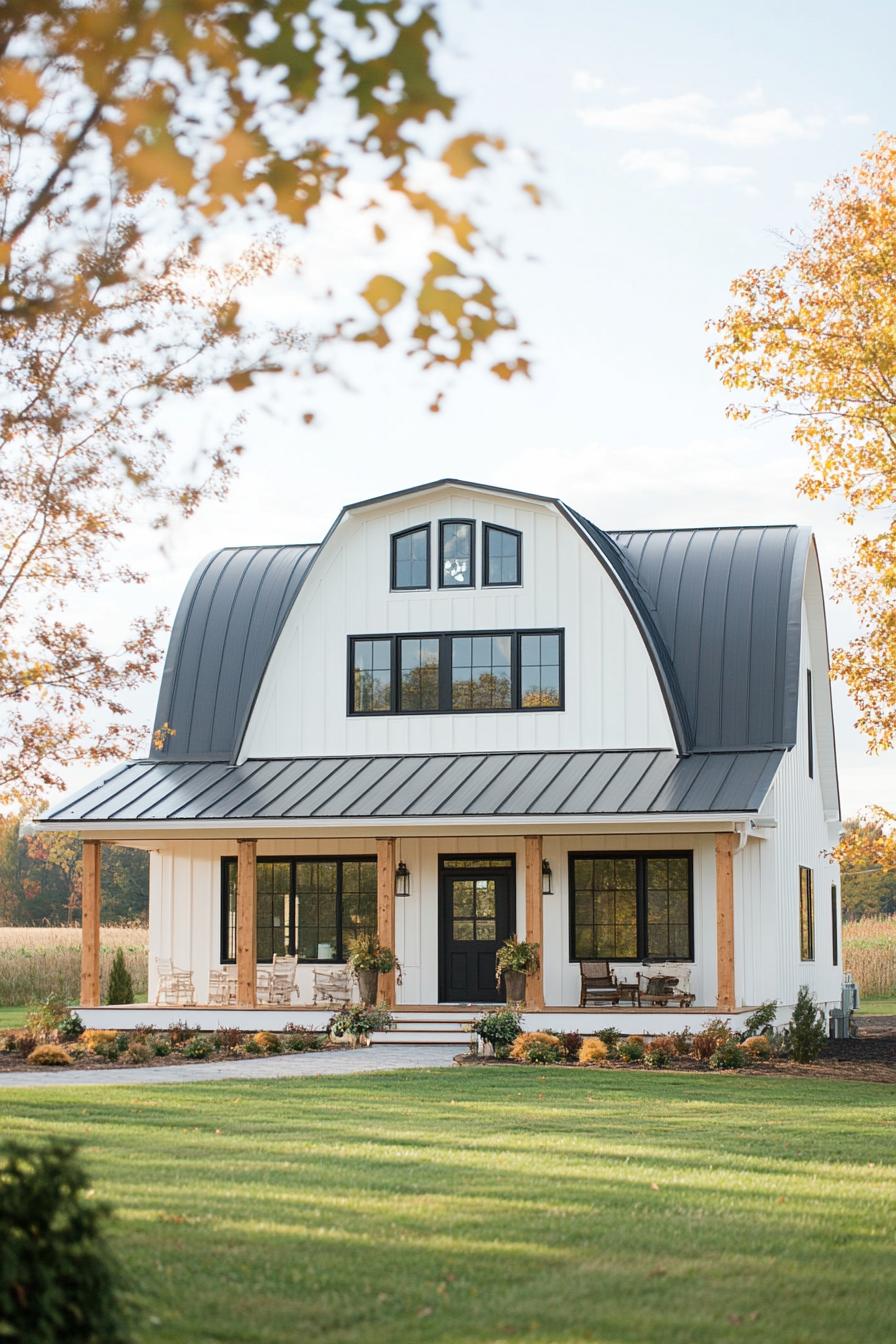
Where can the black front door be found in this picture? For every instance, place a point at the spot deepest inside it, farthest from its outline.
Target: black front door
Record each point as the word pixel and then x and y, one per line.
pixel 476 916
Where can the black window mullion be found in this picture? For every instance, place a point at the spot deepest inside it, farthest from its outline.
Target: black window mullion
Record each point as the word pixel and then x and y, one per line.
pixel 641 905
pixel 293 899
pixel 515 676
pixel 340 953
pixel 445 673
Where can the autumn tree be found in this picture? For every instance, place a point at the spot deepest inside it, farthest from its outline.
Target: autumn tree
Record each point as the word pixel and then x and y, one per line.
pixel 135 137
pixel 814 339
pixel 867 888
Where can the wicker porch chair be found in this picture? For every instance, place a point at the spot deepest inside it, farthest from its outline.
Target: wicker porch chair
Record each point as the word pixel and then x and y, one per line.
pixel 663 991
pixel 332 987
pixel 598 983
pixel 175 984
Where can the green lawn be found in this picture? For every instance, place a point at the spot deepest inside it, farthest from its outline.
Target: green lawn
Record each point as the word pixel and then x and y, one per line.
pixel 495 1205
pixel 880 1007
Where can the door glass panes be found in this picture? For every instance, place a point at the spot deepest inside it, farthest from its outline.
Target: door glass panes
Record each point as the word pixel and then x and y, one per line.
pixel 410 559
pixel 480 672
pixel 473 910
pixel 502 556
pixel 230 907
pixel 316 923
pixel 456 555
pixel 418 688
pixel 358 899
pixel 605 907
pixel 372 676
pixel 539 671
pixel 668 901
pixel 477 862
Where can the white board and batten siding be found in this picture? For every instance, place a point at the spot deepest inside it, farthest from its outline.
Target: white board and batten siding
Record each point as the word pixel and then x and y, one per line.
pixel 612 695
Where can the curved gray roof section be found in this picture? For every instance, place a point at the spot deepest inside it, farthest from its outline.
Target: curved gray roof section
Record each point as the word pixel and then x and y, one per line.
pixel 727 604
pixel 227 623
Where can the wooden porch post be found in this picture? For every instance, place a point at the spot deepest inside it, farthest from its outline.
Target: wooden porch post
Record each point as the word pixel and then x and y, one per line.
pixel 534 918
pixel 90 923
pixel 246 926
pixel 385 911
pixel 726 843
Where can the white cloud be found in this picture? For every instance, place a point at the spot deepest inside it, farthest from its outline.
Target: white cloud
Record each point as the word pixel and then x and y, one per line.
pixel 583 81
pixel 672 167
pixel 856 119
pixel 695 116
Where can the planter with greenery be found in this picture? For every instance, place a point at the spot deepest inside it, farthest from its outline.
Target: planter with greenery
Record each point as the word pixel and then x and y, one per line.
pixel 514 961
pixel 356 1023
pixel 368 959
pixel 499 1029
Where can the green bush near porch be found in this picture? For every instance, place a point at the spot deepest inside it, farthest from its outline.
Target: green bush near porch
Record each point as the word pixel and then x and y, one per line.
pixel 504 1204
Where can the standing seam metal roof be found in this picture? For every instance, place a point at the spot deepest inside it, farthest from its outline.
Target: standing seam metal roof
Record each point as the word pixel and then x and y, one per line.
pixel 480 784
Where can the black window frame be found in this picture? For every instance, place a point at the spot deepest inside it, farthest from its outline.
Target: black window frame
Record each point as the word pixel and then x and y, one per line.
pixel 640 856
pixel 445 663
pixel 293 860
pixel 458 587
pixel 835 920
pixel 501 583
pixel 396 537
pixel 810 921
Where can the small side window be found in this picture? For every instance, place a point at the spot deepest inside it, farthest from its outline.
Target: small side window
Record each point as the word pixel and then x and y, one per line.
pixel 807 915
pixel 410 558
pixel 456 568
pixel 810 731
pixel 503 562
pixel 835 921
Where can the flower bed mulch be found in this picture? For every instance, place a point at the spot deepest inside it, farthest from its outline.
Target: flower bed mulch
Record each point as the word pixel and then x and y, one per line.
pixel 10 1063
pixel 845 1066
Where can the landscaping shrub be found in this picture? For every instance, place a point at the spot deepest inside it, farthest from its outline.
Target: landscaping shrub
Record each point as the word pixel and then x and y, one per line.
pixel 70 1028
pixel 542 1052
pixel 268 1042
pixel 594 1050
pixel 707 1041
pixel 570 1044
pixel 666 1043
pixel 807 1032
pixel 658 1055
pixel 500 1028
pixel 360 1020
pixel 529 1041
pixel 58 1278
pixel 200 1047
pixel 631 1049
pixel 19 1043
pixel 252 1047
pixel 163 1047
pixel 758 1023
pixel 49 1054
pixel 610 1037
pixel 728 1055
pixel 758 1047
pixel 140 1052
pixel 44 1018
pixel 228 1039
pixel 303 1039
pixel 102 1043
pixel 179 1032
pixel 121 986
pixel 682 1042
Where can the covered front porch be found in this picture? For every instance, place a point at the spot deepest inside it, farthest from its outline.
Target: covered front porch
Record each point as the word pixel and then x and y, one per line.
pixel 222 907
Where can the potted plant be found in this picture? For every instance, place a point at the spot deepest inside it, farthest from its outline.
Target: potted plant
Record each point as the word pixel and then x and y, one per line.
pixel 368 959
pixel 356 1022
pixel 515 960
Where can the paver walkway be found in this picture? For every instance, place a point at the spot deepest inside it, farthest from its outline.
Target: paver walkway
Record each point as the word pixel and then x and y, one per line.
pixel 313 1065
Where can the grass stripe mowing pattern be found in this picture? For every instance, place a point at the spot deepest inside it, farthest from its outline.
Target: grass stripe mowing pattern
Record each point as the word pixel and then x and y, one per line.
pixel 482 1206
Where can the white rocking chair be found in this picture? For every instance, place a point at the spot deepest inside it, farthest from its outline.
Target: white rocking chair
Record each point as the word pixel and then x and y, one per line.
pixel 332 987
pixel 281 982
pixel 175 984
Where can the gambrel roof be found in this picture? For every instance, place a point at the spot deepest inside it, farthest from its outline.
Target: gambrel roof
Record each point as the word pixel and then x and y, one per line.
pixel 718 608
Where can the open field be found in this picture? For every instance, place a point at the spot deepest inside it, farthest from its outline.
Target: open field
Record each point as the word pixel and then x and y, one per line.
pixel 869 951
pixel 41 961
pixel 477 1206
pixel 877 1008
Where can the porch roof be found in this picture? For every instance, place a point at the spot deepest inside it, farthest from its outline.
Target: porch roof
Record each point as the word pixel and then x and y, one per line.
pixel 471 785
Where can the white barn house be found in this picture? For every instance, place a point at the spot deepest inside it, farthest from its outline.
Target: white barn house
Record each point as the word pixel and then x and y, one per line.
pixel 617 745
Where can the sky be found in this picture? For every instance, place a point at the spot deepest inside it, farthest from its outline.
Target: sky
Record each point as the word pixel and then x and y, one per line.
pixel 678 146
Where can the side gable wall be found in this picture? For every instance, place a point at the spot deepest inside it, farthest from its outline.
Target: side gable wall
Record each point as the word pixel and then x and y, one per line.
pixel 612 695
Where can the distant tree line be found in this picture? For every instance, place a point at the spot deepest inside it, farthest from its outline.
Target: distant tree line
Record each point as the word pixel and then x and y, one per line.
pixel 40 879
pixel 867 888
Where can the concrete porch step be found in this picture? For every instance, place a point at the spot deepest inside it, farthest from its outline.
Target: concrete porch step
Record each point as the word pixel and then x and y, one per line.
pixel 421 1036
